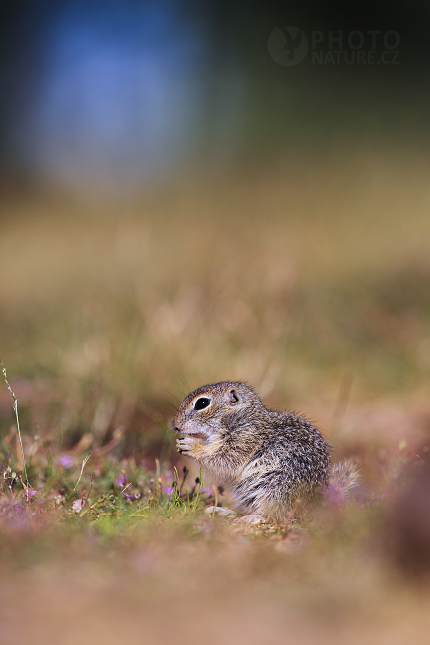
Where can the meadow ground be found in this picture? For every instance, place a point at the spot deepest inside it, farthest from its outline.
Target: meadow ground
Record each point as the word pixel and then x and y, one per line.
pixel 309 279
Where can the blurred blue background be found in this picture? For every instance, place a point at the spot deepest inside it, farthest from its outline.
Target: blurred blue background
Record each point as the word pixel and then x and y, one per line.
pixel 116 93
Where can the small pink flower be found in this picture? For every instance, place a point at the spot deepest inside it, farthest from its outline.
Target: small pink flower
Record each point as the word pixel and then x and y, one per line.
pixel 66 461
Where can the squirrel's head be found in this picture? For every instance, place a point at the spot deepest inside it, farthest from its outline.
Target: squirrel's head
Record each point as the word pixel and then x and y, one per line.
pixel 218 408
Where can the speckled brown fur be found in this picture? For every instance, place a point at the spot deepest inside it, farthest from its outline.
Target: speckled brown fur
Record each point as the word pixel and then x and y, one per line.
pixel 269 458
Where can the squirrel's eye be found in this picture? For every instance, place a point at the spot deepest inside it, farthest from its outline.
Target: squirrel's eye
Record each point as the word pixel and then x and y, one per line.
pixel 201 403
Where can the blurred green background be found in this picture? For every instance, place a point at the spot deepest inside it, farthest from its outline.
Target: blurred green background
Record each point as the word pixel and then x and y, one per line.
pixel 178 207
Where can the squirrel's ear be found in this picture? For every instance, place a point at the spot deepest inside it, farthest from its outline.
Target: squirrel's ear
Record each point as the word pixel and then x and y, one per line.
pixel 234 397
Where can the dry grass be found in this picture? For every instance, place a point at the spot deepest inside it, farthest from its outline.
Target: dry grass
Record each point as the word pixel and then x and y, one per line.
pixel 309 279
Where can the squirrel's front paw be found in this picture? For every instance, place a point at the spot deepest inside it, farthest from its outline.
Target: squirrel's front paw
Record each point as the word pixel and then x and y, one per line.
pixel 187 445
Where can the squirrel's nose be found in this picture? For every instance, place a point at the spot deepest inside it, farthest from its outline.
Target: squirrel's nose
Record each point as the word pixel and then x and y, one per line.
pixel 174 427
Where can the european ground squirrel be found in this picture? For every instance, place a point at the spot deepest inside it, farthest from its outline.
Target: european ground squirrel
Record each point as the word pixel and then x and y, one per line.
pixel 268 458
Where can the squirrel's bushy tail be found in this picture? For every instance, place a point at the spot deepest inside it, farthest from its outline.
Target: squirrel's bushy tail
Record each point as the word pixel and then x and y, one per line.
pixel 343 477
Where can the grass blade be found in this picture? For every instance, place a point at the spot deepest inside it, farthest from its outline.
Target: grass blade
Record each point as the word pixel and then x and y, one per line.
pixel 15 407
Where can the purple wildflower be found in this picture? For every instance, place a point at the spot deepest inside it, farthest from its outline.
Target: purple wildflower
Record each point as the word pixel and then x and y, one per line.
pixel 31 494
pixel 168 490
pixel 121 479
pixel 335 493
pixel 66 461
